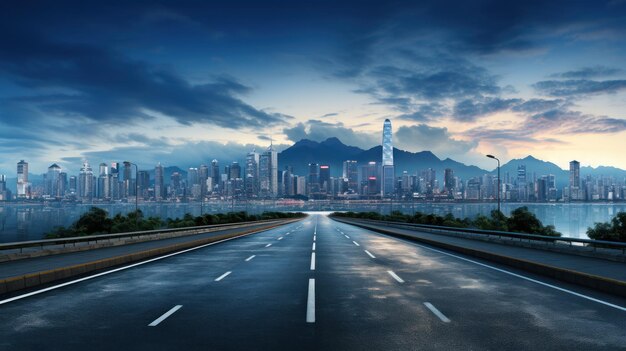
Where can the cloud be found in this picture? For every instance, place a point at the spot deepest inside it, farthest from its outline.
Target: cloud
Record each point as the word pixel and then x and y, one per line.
pixel 438 140
pixel 574 122
pixel 588 72
pixel 469 110
pixel 578 87
pixel 319 131
pixel 560 121
pixel 103 85
pixel 426 112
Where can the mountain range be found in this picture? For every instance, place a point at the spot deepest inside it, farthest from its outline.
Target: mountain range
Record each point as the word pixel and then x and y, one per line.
pixel 333 152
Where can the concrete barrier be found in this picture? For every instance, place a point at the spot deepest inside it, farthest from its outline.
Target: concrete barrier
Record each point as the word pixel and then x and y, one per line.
pixel 599 283
pixel 32 280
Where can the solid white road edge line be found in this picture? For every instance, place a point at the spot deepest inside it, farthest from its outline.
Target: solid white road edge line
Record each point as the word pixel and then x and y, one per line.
pixel 310 303
pixel 249 258
pixel 395 276
pixel 436 312
pixel 313 261
pixel 528 279
pixel 114 270
pixel 165 315
pixel 222 276
pixel 370 254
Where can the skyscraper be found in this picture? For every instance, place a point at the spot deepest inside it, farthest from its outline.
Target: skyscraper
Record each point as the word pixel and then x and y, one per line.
pixel 325 178
pixel 388 168
pixel 351 173
pixel 268 172
pixel 522 190
pixel 159 184
pixel 215 175
pixel 104 182
pixel 52 186
pixel 314 179
pixel 574 174
pixel 448 180
pixel 235 170
pixel 86 184
pixel 23 187
pixel 203 175
pixel 575 192
pixel 251 177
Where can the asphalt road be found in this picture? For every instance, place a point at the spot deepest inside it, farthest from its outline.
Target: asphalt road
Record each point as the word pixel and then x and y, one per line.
pixel 314 285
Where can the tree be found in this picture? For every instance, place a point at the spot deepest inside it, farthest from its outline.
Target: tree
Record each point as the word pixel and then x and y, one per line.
pixel 613 231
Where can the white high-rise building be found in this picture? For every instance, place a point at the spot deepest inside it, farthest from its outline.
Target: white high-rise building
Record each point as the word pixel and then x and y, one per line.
pixel 388 168
pixel 23 186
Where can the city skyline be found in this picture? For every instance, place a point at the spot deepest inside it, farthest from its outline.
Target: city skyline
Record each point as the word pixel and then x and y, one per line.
pixel 260 178
pixel 158 82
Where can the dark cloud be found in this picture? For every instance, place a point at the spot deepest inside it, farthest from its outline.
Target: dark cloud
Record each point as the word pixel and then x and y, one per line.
pixel 109 87
pixel 574 122
pixel 538 105
pixel 588 72
pixel 425 112
pixel 333 114
pixel 578 87
pixel 470 110
pixel 424 137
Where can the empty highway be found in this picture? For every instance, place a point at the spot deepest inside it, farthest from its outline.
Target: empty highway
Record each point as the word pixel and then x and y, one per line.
pixel 315 284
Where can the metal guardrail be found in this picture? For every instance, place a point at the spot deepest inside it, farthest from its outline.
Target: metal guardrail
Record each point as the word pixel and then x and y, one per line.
pixel 102 237
pixel 500 234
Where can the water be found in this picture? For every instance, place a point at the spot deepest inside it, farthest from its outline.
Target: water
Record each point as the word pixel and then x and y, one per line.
pixel 22 222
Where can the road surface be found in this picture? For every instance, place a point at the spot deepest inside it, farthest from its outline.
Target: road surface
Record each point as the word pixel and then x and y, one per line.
pixel 315 284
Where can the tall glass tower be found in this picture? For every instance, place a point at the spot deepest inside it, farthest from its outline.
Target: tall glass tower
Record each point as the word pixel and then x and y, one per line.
pixel 388 169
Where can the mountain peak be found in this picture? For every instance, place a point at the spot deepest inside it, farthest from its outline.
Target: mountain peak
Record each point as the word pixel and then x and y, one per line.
pixel 530 158
pixel 332 141
pixel 305 142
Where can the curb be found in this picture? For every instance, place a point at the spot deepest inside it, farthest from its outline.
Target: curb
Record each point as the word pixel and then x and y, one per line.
pixel 31 280
pixel 607 285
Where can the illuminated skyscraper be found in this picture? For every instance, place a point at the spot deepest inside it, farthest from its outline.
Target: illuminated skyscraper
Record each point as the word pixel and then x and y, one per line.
pixel 388 168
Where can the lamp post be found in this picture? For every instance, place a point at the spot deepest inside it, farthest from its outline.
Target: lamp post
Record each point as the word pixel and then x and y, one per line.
pixel 499 189
pixel 126 163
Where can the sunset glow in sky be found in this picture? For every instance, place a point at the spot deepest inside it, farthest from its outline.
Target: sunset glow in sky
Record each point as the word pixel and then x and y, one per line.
pixel 188 81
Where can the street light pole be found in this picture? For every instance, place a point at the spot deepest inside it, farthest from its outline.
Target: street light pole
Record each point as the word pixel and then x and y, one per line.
pixel 136 192
pixel 499 186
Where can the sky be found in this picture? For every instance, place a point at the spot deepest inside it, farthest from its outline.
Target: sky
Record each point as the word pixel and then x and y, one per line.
pixel 183 82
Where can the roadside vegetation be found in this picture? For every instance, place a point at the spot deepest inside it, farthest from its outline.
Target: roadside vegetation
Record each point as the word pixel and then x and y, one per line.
pixel 520 221
pixel 97 221
pixel 615 230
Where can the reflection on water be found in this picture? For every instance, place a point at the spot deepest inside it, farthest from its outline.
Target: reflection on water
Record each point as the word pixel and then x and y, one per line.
pixel 21 222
